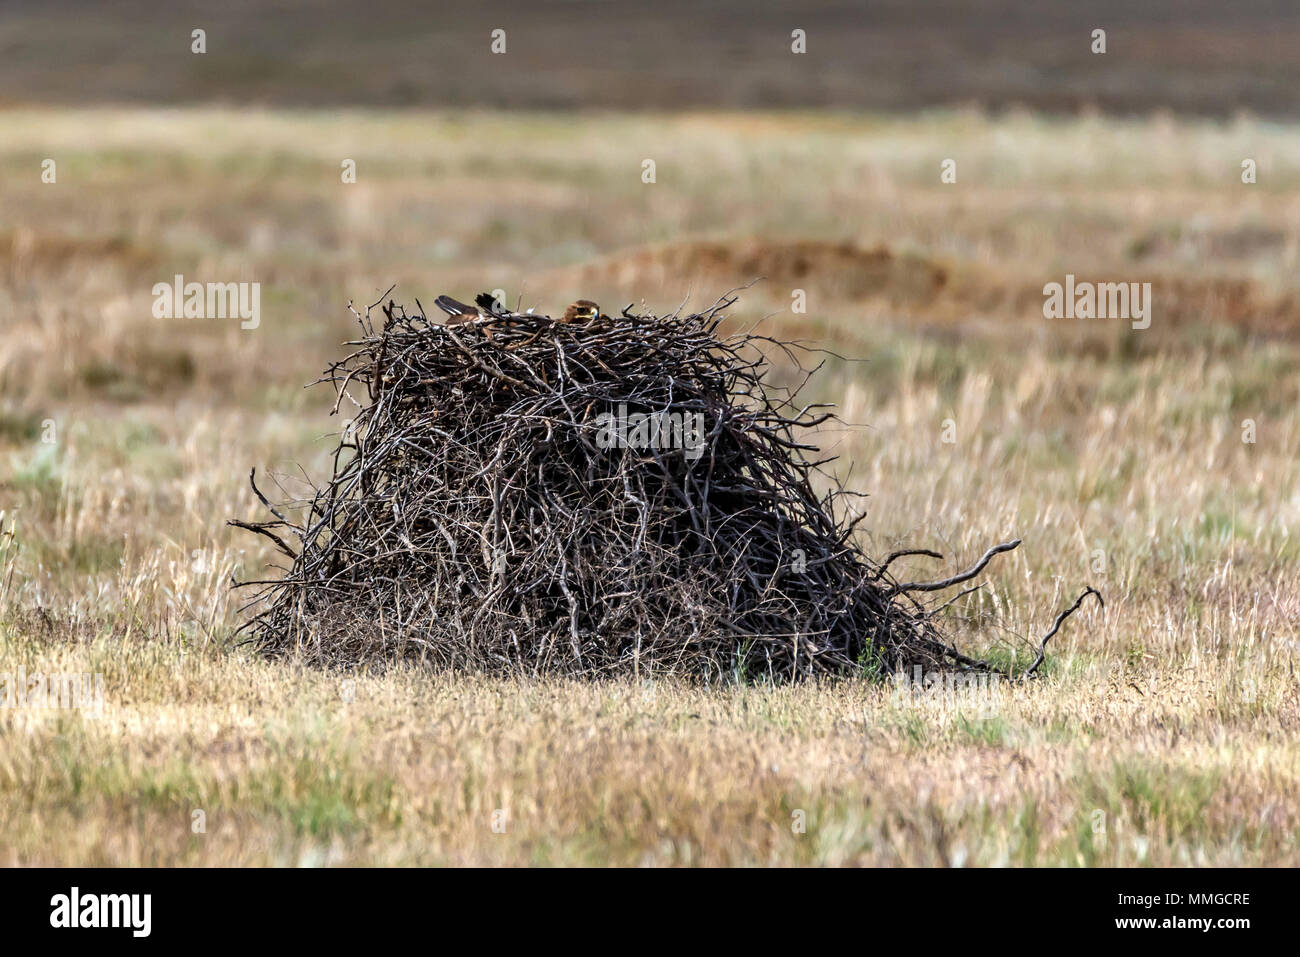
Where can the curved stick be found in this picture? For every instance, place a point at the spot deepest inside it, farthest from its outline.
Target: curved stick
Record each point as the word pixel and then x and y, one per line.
pixel 964 576
pixel 884 566
pixel 1042 649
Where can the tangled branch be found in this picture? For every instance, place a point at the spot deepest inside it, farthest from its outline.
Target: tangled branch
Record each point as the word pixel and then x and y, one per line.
pixel 479 517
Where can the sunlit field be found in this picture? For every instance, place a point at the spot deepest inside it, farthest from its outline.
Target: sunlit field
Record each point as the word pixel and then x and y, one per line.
pixel 1158 465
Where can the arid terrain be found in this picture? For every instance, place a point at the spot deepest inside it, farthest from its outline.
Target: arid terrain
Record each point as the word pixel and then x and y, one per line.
pixel 1159 465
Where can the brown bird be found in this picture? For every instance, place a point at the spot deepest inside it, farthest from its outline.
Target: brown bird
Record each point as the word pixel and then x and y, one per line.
pixel 584 310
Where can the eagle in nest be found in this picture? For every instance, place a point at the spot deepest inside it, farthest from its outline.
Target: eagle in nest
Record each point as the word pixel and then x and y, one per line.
pixel 584 310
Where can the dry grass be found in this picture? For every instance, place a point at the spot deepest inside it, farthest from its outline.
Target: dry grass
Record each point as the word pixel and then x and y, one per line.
pixel 1171 714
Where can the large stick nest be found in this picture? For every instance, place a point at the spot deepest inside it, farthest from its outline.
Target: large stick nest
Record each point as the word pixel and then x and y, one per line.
pixel 477 519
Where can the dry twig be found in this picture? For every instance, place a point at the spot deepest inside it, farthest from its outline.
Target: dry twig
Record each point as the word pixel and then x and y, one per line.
pixel 474 520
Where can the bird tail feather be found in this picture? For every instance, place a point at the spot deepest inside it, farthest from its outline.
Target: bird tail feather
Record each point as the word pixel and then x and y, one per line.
pixel 453 308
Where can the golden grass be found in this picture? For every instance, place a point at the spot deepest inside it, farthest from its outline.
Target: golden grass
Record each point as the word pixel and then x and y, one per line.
pixel 1117 457
pixel 294 767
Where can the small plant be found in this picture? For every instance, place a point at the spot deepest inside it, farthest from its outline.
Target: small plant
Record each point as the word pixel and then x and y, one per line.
pixel 8 555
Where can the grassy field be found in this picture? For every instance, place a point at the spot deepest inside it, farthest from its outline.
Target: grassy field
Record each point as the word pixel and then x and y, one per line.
pixel 1163 731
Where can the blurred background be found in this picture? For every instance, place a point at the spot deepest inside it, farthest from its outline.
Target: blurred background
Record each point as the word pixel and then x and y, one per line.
pixel 1121 456
pixel 523 170
pixel 134 148
pixel 1194 56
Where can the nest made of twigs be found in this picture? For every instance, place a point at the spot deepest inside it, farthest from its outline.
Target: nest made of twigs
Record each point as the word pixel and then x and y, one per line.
pixel 475 519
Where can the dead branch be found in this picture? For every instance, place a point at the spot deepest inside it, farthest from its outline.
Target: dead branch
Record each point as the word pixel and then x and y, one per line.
pixel 1042 648
pixel 964 576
